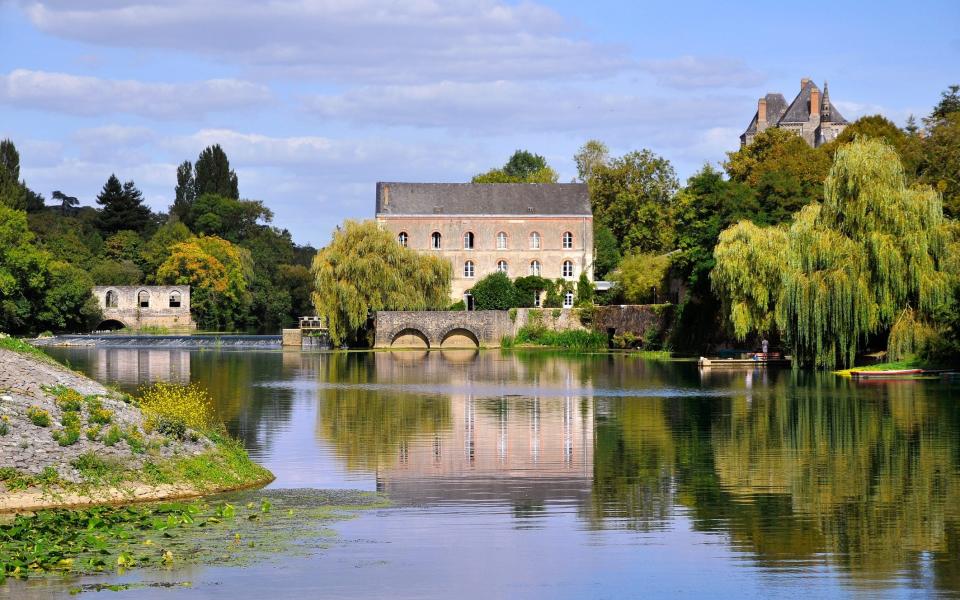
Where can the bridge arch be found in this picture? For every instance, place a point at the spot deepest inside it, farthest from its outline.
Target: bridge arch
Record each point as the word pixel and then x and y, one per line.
pixel 110 325
pixel 410 337
pixel 459 337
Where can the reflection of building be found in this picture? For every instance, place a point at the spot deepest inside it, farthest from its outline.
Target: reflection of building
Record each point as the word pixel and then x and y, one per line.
pixel 522 229
pixel 139 366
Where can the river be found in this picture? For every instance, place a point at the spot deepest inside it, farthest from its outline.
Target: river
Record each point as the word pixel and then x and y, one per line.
pixel 597 476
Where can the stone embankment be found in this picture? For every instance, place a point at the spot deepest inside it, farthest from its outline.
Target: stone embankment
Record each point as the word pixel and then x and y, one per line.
pixel 56 426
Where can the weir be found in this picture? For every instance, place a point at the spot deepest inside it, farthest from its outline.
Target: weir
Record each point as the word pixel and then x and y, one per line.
pixel 164 341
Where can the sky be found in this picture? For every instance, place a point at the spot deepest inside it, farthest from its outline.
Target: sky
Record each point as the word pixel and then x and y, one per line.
pixel 315 101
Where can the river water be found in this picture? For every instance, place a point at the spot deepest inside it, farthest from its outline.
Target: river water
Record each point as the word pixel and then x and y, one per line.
pixel 600 476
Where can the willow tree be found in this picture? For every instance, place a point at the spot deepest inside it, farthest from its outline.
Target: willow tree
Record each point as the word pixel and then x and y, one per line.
pixel 364 269
pixel 866 259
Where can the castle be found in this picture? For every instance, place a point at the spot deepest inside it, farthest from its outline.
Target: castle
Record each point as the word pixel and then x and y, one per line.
pixel 811 115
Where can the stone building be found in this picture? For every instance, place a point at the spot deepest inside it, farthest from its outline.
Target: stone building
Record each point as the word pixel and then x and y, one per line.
pixel 522 229
pixel 139 306
pixel 811 115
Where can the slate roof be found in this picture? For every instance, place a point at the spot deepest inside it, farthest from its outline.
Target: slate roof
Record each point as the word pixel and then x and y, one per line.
pixel 776 106
pixel 482 199
pixel 799 110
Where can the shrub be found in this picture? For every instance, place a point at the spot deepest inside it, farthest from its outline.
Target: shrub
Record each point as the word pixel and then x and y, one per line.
pixel 626 340
pixel 584 291
pixel 113 436
pixel 68 436
pixel 101 416
pixel 134 440
pixel 513 315
pixel 528 288
pixel 641 277
pixel 67 399
pixel 188 404
pixel 4 425
pixel 458 305
pixel 494 292
pixel 174 428
pixel 93 433
pixel 568 340
pixel 70 419
pixel 38 416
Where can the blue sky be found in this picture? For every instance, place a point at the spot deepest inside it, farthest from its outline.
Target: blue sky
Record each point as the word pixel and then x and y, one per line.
pixel 316 100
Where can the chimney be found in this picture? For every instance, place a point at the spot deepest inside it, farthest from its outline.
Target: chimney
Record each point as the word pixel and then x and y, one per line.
pixel 814 102
pixel 761 113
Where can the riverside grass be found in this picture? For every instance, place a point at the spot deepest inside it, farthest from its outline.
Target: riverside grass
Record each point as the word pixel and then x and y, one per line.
pixel 846 268
pixel 566 340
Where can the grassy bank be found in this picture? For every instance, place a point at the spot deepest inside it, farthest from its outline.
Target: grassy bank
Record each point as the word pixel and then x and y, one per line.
pixel 539 337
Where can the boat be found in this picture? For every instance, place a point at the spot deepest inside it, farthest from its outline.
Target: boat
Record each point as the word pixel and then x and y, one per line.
pixel 888 374
pixel 758 360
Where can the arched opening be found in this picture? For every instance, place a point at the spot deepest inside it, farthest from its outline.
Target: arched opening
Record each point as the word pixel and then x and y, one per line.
pixel 460 338
pixel 436 240
pixel 143 299
pixel 175 299
pixel 110 325
pixel 460 356
pixel 410 338
pixel 567 240
pixel 402 238
pixel 468 240
pixel 111 299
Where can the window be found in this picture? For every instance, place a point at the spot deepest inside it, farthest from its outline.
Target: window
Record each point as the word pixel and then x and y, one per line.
pixel 534 241
pixel 567 269
pixel 537 302
pixel 143 299
pixel 568 300
pixel 468 240
pixel 402 238
pixel 502 241
pixel 567 240
pixel 502 266
pixel 435 240
pixel 174 299
pixel 535 268
pixel 468 269
pixel 111 300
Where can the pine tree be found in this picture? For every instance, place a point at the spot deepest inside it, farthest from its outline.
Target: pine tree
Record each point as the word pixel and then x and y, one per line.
pixel 122 207
pixel 185 191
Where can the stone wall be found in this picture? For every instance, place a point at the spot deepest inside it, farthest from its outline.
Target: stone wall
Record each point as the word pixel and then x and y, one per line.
pixel 556 319
pixel 632 318
pixel 124 307
pixel 436 329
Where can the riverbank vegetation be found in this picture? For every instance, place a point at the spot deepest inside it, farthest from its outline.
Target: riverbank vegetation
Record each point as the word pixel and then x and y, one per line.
pixel 246 275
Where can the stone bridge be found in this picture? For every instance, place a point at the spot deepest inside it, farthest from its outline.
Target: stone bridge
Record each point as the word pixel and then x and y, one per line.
pixel 441 329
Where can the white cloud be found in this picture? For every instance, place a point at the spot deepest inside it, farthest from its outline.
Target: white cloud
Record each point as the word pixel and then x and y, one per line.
pixel 356 40
pixel 79 95
pixel 504 106
pixel 691 72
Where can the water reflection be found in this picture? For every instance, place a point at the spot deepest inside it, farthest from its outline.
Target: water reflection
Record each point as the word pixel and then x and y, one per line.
pixel 798 472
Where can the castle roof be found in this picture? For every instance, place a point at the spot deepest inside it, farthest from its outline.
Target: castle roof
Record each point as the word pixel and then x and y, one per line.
pixel 779 113
pixel 776 106
pixel 512 199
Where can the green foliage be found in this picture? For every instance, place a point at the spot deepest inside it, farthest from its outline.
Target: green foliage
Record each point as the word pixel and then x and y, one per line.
pixel 527 289
pixel 632 197
pixel 639 275
pixel 123 207
pixel 494 292
pixel 909 147
pixel 606 252
pixel 845 269
pixel 112 272
pixel 948 105
pixel 185 191
pixel 112 436
pixel 458 305
pixel 364 269
pixel 521 167
pixel 160 246
pixel 189 405
pixel 38 416
pixel 940 166
pixel 589 157
pixel 584 291
pixel 67 436
pixel 570 339
pixel 226 217
pixel 213 175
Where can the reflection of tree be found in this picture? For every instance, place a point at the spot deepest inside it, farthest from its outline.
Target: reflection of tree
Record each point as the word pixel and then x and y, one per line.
pixel 367 426
pixel 802 466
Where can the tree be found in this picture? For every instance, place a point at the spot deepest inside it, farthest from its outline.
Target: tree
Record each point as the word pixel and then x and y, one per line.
pixel 941 162
pixel 22 272
pixel 584 291
pixel 521 167
pixel 364 269
pixel 226 217
pixel 949 104
pixel 66 202
pixel 847 268
pixel 908 147
pixel 185 192
pixel 160 246
pixel 494 292
pixel 641 277
pixel 123 207
pixel 589 157
pixel 606 251
pixel 528 288
pixel 631 196
pixel 785 172
pixel 213 175
pixel 14 192
pixel 68 303
pixel 116 272
pixel 219 274
pixel 124 245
